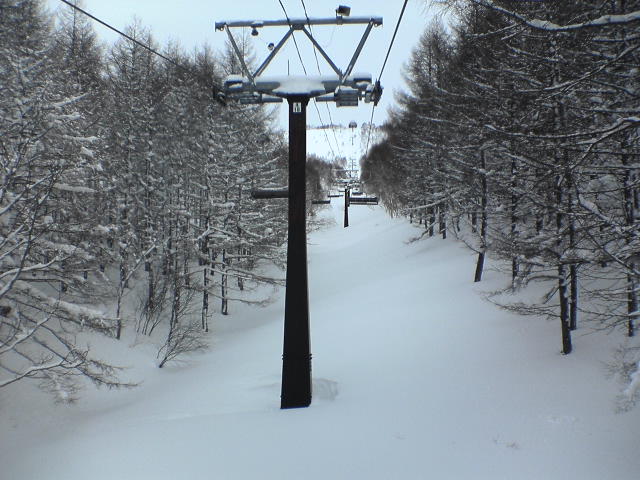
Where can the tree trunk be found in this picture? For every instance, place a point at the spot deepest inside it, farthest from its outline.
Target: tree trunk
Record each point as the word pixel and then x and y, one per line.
pixel 205 298
pixel 177 288
pixel 514 223
pixel 563 180
pixel 562 274
pixel 483 219
pixel 118 317
pixel 150 294
pixel 630 202
pixel 479 266
pixel 224 304
pixel 632 303
pixel 564 310
pixel 573 300
pixel 573 269
pixel 432 221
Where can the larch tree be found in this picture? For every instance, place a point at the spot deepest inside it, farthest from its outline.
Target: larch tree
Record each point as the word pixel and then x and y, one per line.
pixel 44 252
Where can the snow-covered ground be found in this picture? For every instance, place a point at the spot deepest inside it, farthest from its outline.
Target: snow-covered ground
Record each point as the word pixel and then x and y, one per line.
pixel 415 377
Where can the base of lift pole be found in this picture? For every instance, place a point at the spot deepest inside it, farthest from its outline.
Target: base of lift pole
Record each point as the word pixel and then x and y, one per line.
pixel 298 393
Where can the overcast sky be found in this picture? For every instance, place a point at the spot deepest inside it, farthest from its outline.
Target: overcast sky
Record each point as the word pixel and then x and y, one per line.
pixel 191 23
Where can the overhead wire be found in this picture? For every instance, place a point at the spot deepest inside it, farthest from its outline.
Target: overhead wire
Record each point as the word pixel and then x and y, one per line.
pixel 384 64
pixel 216 88
pixel 333 129
pixel 393 38
pixel 293 36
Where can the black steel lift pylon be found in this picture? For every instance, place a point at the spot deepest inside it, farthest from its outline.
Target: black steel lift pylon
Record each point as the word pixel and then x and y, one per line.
pixel 344 89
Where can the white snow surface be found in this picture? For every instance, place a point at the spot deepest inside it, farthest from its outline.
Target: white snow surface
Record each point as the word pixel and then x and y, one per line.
pixel 312 85
pixel 298 85
pixel 415 377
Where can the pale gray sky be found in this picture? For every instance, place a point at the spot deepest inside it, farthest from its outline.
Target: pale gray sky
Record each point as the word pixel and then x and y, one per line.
pixel 191 23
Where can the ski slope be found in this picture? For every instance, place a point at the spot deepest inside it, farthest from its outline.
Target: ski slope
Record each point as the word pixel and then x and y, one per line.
pixel 415 377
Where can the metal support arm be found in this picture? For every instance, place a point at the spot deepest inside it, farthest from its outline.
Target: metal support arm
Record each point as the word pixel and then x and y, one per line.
pixel 273 53
pixel 299 24
pixel 323 53
pixel 245 69
pixel 356 54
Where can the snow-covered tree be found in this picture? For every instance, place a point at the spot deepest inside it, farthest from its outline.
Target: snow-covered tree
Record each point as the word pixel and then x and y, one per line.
pixel 533 135
pixel 47 265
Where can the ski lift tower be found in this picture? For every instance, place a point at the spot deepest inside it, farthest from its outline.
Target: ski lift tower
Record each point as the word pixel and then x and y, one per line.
pixel 346 89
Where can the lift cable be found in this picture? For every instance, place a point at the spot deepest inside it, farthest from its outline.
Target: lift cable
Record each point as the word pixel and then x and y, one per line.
pixel 294 37
pixel 216 89
pixel 333 129
pixel 366 150
pixel 393 38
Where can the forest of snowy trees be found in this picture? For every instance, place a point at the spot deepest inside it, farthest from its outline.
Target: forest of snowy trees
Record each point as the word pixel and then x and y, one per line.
pixel 120 171
pixel 521 135
pixel 123 175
